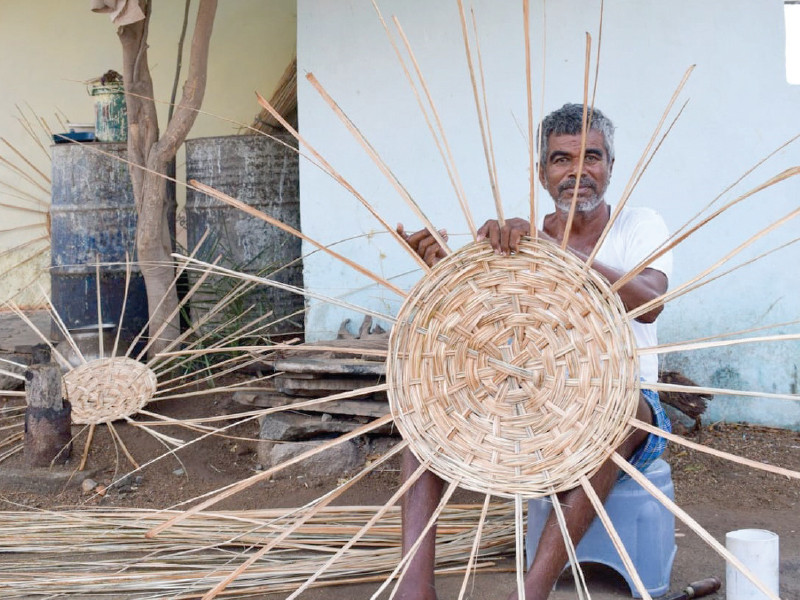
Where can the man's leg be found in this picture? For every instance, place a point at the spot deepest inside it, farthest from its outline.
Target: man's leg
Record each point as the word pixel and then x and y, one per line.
pixel 551 554
pixel 418 504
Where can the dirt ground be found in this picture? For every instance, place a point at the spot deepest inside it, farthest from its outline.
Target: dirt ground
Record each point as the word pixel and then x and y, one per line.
pixel 720 495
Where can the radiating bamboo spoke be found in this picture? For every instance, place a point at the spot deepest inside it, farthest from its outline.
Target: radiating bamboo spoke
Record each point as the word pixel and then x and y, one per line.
pixel 672 387
pixel 300 521
pixel 485 106
pixel 315 347
pixel 679 232
pixel 405 562
pixel 687 347
pixel 266 474
pixel 615 539
pixel 288 288
pixel 783 176
pixel 582 155
pixel 373 154
pixel 473 555
pixel 519 529
pixel 412 479
pixel 634 176
pixel 442 146
pixel 713 451
pixel 498 204
pixel 690 522
pixel 20 155
pixel 325 165
pixel 577 572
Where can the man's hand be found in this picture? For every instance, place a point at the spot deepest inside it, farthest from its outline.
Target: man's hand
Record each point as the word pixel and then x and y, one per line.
pixel 505 239
pixel 423 243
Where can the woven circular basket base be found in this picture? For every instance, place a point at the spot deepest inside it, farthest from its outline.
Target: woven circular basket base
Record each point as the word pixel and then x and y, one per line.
pixel 107 389
pixel 513 374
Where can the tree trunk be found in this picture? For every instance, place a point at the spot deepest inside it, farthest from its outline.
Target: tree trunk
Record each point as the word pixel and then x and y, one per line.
pixel 152 155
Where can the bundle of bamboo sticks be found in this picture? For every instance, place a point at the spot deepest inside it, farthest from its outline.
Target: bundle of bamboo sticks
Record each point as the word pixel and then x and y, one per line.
pixel 104 551
pixel 284 99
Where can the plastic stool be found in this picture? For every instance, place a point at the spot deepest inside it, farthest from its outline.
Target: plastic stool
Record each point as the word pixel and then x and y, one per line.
pixel 647 530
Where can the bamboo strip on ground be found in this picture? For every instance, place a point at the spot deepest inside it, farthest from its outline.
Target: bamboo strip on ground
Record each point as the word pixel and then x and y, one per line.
pixel 302 520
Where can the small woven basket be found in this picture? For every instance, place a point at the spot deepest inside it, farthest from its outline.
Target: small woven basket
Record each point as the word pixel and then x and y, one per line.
pixel 108 389
pixel 513 374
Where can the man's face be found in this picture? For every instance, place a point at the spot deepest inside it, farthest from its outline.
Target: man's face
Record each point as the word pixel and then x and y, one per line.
pixel 559 175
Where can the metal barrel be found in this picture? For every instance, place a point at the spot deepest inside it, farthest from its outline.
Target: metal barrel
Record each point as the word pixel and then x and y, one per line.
pixel 93 218
pixel 264 174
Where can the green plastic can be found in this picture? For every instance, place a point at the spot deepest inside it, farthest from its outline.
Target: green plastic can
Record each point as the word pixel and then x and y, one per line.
pixel 111 114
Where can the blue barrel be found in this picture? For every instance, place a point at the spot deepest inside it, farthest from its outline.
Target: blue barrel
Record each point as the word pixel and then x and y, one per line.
pixel 264 174
pixel 93 217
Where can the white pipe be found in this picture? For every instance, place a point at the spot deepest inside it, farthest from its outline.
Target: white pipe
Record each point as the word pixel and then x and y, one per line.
pixel 758 550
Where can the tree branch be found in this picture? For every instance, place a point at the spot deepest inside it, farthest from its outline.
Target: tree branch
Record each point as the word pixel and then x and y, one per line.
pixel 195 86
pixel 179 62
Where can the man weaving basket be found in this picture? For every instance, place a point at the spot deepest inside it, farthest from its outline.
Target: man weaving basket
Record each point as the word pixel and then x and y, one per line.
pixel 634 235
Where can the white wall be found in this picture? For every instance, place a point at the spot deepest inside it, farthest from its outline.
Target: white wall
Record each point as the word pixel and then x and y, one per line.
pixel 48 48
pixel 740 108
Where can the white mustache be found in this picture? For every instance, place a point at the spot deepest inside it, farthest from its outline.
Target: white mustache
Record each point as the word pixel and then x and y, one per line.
pixel 570 184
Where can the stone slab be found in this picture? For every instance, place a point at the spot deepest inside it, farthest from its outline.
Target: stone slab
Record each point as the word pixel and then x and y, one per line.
pixel 363 408
pixel 41 479
pixel 17 340
pixel 337 366
pixel 297 426
pixel 343 458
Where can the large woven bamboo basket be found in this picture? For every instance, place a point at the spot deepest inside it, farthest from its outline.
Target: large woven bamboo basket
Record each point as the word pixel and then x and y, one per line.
pixel 513 374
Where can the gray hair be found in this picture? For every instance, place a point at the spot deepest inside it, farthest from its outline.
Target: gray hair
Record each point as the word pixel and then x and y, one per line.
pixel 567 120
